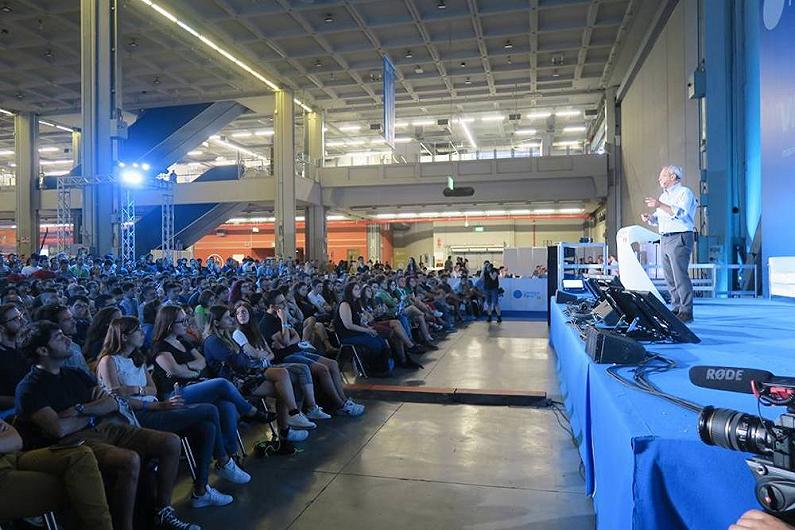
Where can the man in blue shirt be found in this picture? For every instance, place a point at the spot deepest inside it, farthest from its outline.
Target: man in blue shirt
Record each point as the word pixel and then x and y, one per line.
pixel 674 215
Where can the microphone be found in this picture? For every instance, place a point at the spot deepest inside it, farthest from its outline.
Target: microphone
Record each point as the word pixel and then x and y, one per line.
pixel 728 378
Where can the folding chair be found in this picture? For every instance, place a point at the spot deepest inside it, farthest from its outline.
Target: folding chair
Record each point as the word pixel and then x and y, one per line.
pixel 347 354
pixel 49 521
pixel 186 448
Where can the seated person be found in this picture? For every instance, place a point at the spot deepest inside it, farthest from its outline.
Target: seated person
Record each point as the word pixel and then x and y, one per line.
pixel 13 367
pixel 179 369
pixel 392 293
pixel 95 335
pixel 314 331
pixel 66 405
pixel 349 325
pixel 47 480
pixel 377 316
pixel 62 316
pixel 122 370
pixel 257 377
pixel 283 341
pixel 78 305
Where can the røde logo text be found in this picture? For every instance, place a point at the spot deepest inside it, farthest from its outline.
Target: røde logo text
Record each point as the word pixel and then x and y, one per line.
pixel 724 374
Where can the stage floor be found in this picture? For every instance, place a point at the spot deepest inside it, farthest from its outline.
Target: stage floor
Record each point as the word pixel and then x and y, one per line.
pixel 426 466
pixel 645 465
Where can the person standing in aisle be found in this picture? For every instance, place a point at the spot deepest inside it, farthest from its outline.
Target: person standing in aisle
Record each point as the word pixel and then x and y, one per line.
pixel 674 215
pixel 491 286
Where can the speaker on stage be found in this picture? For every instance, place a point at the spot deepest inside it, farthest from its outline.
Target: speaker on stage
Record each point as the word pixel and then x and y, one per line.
pixel 552 278
pixel 606 347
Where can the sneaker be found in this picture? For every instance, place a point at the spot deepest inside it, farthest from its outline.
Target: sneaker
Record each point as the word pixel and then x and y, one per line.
pixel 489 319
pixel 499 319
pixel 231 472
pixel 351 409
pixel 211 497
pixel 167 519
pixel 299 421
pixel 317 414
pixel 297 436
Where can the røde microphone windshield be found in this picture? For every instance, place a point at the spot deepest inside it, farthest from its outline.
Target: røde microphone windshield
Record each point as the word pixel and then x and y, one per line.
pixel 729 378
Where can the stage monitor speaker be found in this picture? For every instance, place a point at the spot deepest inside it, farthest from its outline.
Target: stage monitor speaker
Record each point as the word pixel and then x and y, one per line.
pixel 552 277
pixel 562 297
pixel 606 347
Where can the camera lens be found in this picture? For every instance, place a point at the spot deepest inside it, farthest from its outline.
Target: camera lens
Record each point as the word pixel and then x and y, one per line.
pixel 735 430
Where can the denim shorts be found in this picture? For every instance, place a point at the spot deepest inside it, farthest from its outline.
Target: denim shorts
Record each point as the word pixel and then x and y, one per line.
pixel 302 357
pixel 492 297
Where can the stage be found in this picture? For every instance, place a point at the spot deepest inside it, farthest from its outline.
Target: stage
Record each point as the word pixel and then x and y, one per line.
pixel 644 463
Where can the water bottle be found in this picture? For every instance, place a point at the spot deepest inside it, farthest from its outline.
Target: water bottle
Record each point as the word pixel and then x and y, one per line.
pixel 177 390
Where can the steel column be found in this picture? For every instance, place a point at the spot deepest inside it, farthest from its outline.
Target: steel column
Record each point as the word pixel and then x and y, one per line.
pixel 613 150
pixel 374 242
pixel 315 142
pixel 316 233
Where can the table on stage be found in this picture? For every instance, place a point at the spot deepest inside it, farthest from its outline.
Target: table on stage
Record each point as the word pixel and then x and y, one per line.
pixel 644 463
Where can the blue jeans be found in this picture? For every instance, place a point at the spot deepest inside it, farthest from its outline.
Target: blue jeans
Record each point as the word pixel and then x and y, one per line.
pixel 200 423
pixel 492 298
pixel 376 343
pixel 227 399
pixel 302 357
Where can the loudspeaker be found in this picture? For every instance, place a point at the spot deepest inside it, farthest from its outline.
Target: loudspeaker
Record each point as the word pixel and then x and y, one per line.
pixel 552 277
pixel 562 297
pixel 606 347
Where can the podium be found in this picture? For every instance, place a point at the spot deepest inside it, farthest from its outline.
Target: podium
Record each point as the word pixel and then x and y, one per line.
pixel 633 276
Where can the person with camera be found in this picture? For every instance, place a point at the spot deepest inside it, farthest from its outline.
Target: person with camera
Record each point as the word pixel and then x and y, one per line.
pixel 491 288
pixel 674 214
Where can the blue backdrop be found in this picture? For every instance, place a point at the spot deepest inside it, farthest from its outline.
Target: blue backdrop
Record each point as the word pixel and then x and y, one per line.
pixel 777 120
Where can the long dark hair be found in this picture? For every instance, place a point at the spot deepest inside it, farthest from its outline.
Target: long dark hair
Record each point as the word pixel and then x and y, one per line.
pixel 114 339
pixel 95 335
pixel 250 329
pixel 164 322
pixel 347 296
pixel 214 316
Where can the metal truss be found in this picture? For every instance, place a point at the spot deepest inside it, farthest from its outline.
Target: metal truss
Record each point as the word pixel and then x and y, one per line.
pixel 63 222
pixel 127 226
pixel 167 224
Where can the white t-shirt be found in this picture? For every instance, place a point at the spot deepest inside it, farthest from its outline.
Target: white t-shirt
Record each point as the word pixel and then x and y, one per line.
pixel 240 338
pixel 317 300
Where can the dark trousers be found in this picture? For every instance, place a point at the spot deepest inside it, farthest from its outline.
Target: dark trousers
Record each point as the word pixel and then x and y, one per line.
pixel 676 250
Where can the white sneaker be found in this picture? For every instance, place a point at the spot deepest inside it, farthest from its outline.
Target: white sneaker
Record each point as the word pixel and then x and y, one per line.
pixel 299 421
pixel 297 436
pixel 351 409
pixel 231 472
pixel 211 497
pixel 317 414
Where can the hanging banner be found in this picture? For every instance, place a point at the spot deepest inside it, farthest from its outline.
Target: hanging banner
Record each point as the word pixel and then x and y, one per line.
pixel 389 102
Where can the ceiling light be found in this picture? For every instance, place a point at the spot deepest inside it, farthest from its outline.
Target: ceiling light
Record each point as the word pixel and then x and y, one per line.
pixel 418 69
pixel 221 51
pixel 464 120
pixel 55 162
pixel 422 123
pixel 463 64
pixel 335 144
pixel 406 215
pixel 350 128
pixel 409 55
pixel 242 134
pixel 525 131
pixel 238 148
pixel 537 115
pixel 570 210
pixel 264 132
pixel 58 173
pixel 354 142
pixel 403 140
pixel 132 43
pixel 318 64
pixel 508 44
pixel 401 124
pixel 468 134
pixel 519 212
pixel 6 8
pixel 329 18
pixel 6 112
pixel 6 153
pixel 492 118
pixel 573 143
pixel 441 4
pixel 544 211
pixel 377 141
pixel 195 153
pixel 385 216
pixel 467 81
pixel 567 113
pixel 579 128
pixel 335 218
pixel 48 149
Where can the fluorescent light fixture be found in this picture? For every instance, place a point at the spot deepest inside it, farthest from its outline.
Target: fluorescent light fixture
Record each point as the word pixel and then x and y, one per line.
pixel 385 216
pixel 335 143
pixel 6 112
pixel 464 120
pixel 300 218
pixel 237 148
pixel 468 135
pixel 525 131
pixel 354 142
pixel 567 113
pixel 335 218
pixel 220 158
pixel 403 140
pixel 350 128
pixel 264 132
pixel 377 141
pixel 55 162
pixel 520 212
pixel 570 210
pixel 195 153
pixel 544 211
pixel 538 115
pixel 242 134
pixel 401 124
pixel 430 214
pixel 496 212
pixel 406 215
pixel 48 149
pixel 6 152
pixel 221 51
pixel 525 144
pixel 48 124
pixel 492 118
pixel 573 143
pixel 423 123
pixel 58 173
pixel 579 128
pixel 475 213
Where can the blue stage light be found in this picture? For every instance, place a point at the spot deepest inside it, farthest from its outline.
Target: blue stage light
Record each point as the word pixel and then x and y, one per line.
pixel 132 178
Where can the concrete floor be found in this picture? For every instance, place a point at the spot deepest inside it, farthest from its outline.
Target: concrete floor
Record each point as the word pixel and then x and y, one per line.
pixel 421 466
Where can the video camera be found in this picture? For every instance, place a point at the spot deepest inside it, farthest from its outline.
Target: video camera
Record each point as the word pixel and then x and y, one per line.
pixel 773 442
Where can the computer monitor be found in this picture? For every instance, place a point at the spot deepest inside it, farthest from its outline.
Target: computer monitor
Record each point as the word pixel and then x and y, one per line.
pixel 647 317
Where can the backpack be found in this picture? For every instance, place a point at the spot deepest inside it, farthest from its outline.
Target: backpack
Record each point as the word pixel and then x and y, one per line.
pixel 376 363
